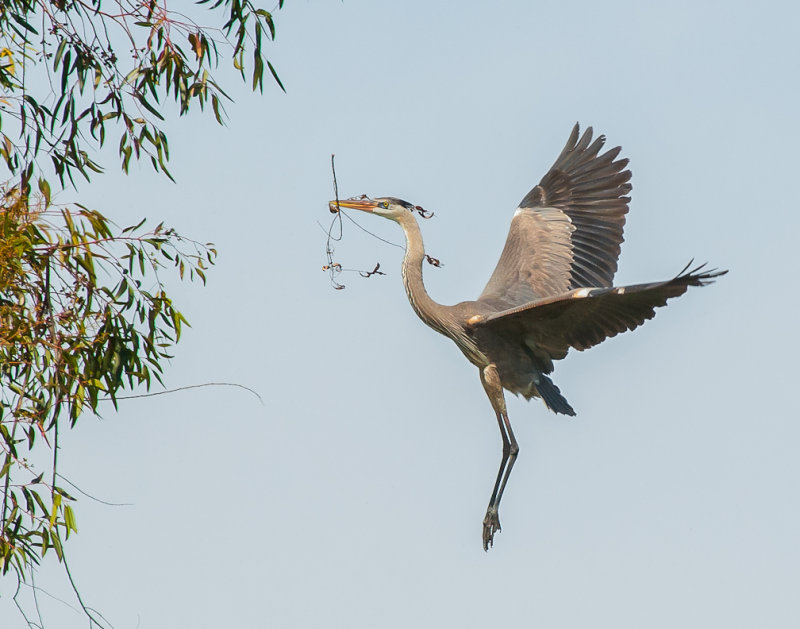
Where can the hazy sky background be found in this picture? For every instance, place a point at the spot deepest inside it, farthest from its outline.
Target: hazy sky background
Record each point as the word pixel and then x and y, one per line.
pixel 354 496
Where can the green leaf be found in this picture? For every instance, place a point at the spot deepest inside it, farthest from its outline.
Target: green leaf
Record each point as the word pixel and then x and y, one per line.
pixel 69 520
pixel 268 19
pixel 44 188
pixel 54 512
pixel 275 76
pixel 258 71
pixel 19 20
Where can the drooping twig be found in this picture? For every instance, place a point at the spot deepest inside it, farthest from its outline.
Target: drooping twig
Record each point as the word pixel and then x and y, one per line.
pixel 91 614
pixel 36 588
pixel 88 495
pixel 17 603
pixel 36 598
pixel 191 386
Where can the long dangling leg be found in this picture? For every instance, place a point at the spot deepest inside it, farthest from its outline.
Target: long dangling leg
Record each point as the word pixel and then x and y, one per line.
pixel 494 389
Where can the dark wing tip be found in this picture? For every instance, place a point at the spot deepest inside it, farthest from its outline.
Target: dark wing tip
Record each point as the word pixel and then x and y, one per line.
pixel 699 275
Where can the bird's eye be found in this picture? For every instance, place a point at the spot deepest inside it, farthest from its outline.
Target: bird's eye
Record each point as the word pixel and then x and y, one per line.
pixel 385 204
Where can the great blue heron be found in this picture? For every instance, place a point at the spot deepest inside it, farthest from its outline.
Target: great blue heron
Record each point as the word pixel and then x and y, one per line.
pixel 551 290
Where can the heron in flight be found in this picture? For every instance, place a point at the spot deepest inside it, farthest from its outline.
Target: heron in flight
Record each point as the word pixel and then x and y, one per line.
pixel 551 290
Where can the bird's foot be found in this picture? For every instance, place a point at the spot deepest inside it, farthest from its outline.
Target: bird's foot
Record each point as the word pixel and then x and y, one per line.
pixel 491 524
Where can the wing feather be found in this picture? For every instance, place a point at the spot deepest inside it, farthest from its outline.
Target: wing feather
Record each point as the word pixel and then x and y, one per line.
pixel 568 229
pixel 584 317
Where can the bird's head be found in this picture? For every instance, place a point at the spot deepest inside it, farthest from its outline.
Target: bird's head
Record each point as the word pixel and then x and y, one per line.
pixel 389 207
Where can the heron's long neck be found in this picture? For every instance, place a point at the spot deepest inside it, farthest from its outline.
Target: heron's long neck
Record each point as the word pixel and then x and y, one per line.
pixel 431 313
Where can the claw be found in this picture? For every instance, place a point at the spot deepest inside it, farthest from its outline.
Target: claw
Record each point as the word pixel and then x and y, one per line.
pixel 491 525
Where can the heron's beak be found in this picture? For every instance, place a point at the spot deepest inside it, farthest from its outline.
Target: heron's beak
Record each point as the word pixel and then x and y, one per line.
pixel 365 205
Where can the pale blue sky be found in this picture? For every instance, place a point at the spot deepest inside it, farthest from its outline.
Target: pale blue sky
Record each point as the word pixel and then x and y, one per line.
pixel 354 496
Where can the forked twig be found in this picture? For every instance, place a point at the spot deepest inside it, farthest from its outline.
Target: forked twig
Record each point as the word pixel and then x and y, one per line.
pixel 374 271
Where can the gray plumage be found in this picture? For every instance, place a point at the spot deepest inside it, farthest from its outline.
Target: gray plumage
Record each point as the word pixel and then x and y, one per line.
pixel 551 290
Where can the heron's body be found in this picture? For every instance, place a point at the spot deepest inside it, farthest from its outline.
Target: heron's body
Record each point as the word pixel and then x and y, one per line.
pixel 551 290
pixel 516 363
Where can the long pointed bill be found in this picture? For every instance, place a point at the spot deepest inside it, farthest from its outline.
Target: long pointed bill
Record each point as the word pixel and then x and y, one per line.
pixel 365 205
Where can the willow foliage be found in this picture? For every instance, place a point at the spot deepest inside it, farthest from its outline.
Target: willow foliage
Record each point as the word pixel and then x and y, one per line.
pixel 83 313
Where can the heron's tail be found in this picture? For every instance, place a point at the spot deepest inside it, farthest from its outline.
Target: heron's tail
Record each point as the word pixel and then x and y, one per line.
pixel 552 396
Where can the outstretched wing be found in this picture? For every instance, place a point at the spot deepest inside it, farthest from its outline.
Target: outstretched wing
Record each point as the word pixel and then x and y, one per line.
pixel 567 231
pixel 587 316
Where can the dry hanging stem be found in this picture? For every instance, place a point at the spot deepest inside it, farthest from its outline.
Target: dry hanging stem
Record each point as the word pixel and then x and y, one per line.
pixel 335 230
pixel 334 268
